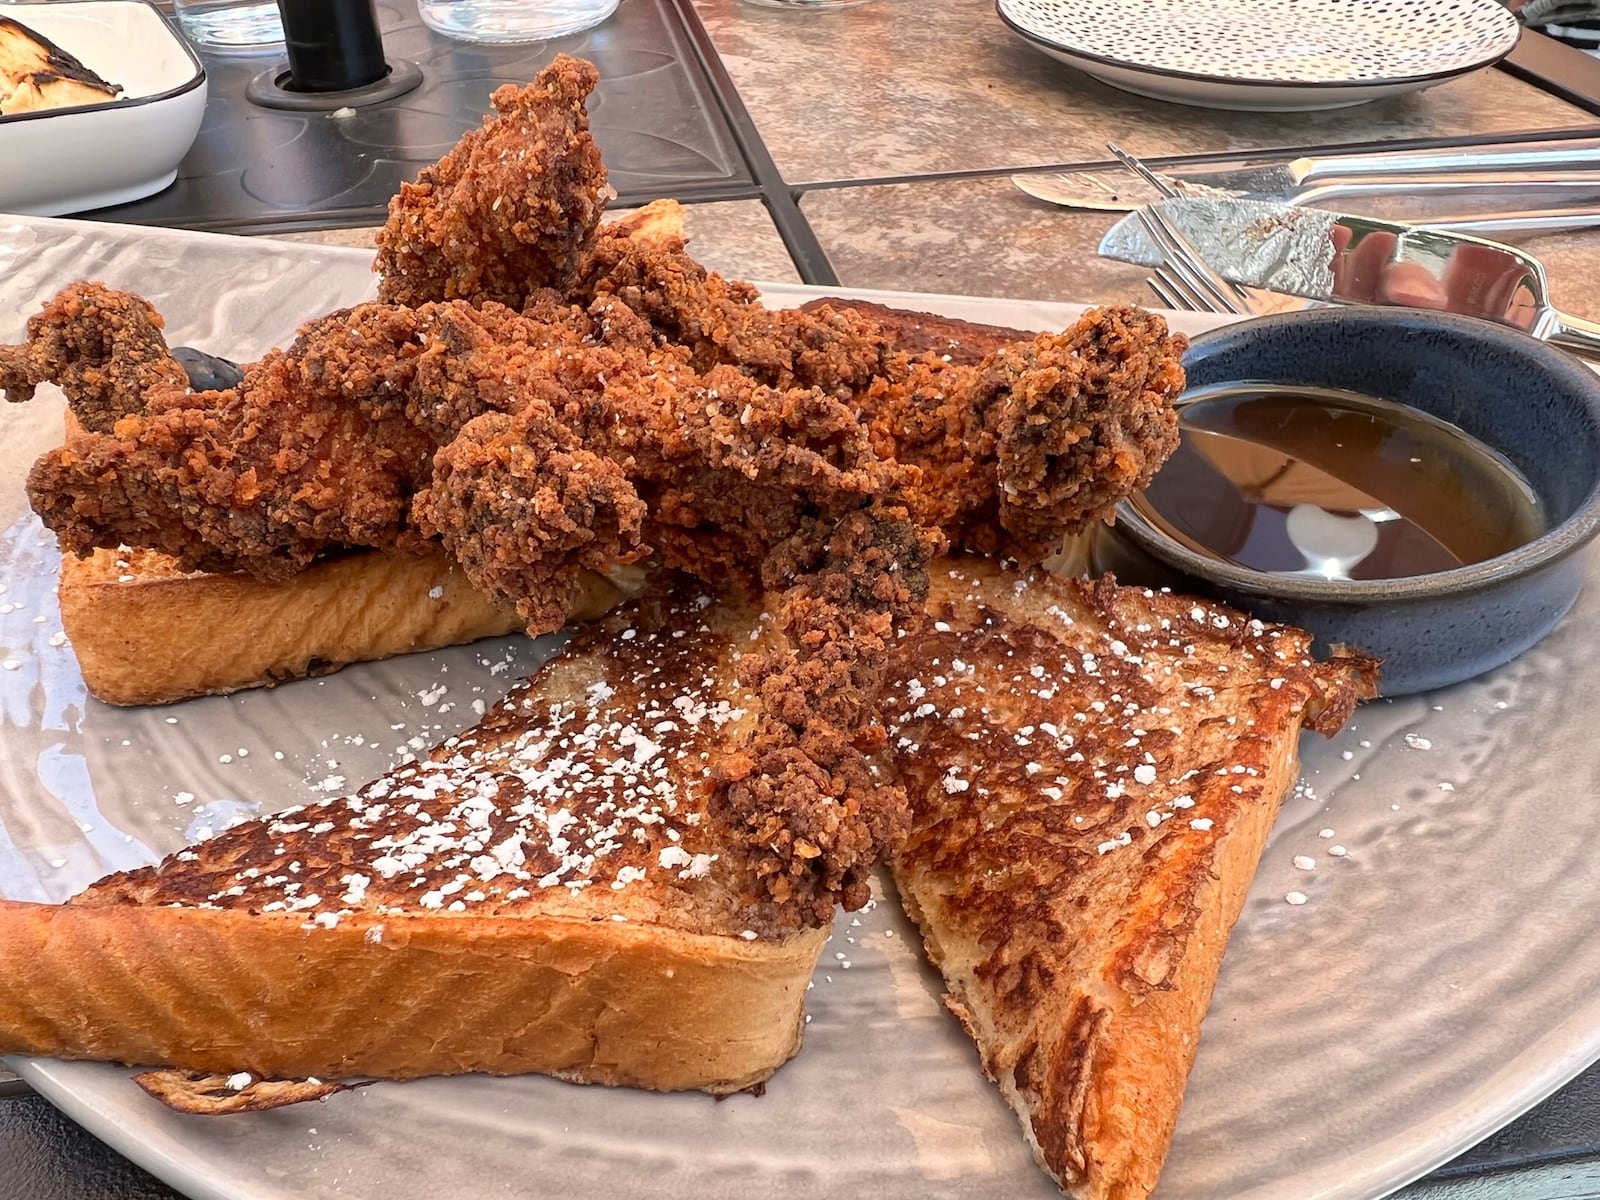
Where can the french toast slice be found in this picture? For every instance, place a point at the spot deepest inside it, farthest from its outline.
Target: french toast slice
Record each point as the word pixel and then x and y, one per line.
pixel 145 631
pixel 953 339
pixel 1093 771
pixel 36 74
pixel 547 892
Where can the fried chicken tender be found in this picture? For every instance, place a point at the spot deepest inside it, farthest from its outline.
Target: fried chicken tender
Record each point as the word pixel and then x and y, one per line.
pixel 320 448
pixel 563 509
pixel 1039 439
pixel 104 348
pixel 511 209
pixel 707 472
pixel 804 789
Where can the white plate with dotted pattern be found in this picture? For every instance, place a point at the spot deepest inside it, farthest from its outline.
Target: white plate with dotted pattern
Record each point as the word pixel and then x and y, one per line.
pixel 1441 976
pixel 1267 55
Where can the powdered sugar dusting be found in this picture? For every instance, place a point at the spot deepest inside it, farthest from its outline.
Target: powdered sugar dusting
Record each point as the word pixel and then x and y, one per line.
pixel 566 785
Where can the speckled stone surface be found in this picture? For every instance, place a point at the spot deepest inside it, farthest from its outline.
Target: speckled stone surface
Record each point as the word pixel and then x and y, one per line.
pixel 969 236
pixel 984 237
pixel 913 87
pixel 735 237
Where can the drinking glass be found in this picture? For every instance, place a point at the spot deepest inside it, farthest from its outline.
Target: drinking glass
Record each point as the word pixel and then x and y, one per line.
pixel 247 26
pixel 512 20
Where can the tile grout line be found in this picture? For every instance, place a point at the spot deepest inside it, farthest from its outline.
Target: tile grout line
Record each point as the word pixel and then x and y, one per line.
pixel 810 259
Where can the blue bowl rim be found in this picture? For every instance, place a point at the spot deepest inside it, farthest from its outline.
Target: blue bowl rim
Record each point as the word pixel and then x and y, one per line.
pixel 1547 549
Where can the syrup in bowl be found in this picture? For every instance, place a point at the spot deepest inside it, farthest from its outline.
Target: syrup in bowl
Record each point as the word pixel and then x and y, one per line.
pixel 1314 481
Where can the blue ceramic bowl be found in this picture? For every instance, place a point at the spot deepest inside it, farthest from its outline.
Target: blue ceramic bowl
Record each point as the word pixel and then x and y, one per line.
pixel 1535 404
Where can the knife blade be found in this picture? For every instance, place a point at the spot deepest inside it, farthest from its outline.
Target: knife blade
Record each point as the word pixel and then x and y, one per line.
pixel 1504 165
pixel 1104 191
pixel 1329 256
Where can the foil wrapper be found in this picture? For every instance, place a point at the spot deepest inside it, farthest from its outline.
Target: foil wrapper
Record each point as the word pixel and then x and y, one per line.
pixel 1275 246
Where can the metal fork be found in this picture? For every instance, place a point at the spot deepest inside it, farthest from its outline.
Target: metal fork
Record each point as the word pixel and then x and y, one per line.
pixel 1174 293
pixel 1185 280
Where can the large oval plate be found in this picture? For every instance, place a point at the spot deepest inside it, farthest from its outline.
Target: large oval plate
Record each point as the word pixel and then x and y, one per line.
pixel 1442 976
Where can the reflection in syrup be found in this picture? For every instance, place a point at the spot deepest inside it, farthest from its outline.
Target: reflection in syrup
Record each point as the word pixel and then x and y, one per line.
pixel 1314 481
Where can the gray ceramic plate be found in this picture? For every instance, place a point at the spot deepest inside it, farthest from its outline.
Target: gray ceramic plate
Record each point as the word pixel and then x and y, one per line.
pixel 1441 977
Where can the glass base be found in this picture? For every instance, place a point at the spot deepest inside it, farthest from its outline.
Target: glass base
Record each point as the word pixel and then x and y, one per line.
pixel 513 20
pixel 252 28
pixel 802 4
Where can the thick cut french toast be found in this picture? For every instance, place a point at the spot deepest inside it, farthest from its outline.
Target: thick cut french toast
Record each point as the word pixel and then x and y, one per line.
pixel 36 74
pixel 1092 771
pixel 548 892
pixel 147 632
pixel 952 338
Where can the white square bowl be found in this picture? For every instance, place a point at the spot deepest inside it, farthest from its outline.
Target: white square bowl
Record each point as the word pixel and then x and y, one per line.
pixel 69 160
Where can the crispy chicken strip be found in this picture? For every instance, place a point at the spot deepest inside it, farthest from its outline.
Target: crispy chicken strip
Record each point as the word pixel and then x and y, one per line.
pixel 511 209
pixel 324 446
pixel 104 348
pixel 321 447
pixel 642 455
pixel 805 788
pixel 1039 439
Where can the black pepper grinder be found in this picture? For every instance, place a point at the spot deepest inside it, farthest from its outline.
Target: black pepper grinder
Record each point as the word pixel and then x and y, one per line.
pixel 333 45
pixel 335 60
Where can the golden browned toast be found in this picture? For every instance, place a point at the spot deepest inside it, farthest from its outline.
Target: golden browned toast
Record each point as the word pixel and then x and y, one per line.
pixel 1093 771
pixel 147 632
pixel 37 74
pixel 548 892
pixel 956 340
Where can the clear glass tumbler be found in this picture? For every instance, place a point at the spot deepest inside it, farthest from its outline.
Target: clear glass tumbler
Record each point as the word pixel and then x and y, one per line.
pixel 247 26
pixel 512 20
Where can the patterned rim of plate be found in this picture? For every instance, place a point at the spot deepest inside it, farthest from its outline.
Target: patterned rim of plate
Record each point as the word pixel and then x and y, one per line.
pixel 1274 43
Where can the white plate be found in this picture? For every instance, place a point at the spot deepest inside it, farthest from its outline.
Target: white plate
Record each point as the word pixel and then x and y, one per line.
pixel 1267 55
pixel 71 160
pixel 1442 978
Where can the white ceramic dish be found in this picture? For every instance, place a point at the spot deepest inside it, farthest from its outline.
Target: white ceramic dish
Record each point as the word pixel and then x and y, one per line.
pixel 1267 55
pixel 71 160
pixel 1443 976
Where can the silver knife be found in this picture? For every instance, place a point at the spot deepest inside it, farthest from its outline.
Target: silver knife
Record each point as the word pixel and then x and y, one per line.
pixel 1565 165
pixel 1578 192
pixel 1330 256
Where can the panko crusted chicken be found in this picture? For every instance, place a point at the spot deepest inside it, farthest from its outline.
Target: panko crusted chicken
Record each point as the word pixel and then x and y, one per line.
pixel 325 446
pixel 1092 772
pixel 1092 423
pixel 511 209
pixel 555 890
